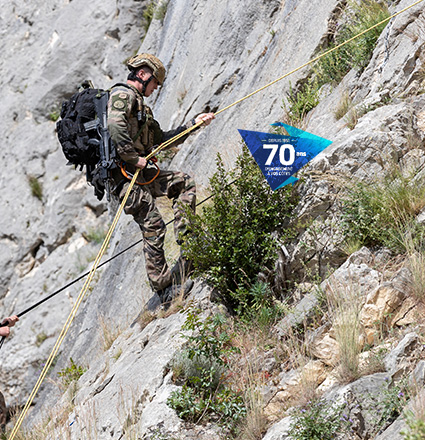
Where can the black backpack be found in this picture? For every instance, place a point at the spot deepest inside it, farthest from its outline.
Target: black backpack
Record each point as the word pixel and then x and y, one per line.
pixel 83 135
pixel 77 142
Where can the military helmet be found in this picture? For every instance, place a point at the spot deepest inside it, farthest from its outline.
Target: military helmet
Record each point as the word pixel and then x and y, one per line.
pixel 146 59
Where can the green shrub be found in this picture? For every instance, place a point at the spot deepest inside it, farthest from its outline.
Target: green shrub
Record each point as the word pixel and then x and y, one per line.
pixel 319 420
pixel 357 17
pixel 148 14
pixel 232 240
pixel 71 373
pixel 256 304
pixel 202 368
pixel 383 212
pixel 301 101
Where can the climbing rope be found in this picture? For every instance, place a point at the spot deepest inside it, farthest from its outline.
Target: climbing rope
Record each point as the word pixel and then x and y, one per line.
pixel 121 207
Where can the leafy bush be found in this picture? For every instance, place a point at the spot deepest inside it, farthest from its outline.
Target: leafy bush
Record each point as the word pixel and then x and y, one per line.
pixel 256 304
pixel 301 101
pixel 232 240
pixel 383 212
pixel 356 54
pixel 318 421
pixel 202 368
pixel 71 373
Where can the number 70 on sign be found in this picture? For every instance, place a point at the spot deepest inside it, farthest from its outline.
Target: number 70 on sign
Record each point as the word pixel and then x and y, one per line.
pixel 286 153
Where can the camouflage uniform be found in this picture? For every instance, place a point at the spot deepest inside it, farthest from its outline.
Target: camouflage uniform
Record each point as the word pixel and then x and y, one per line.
pixel 134 133
pixel 3 414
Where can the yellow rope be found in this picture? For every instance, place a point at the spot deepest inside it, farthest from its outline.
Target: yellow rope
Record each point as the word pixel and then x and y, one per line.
pixel 319 56
pixel 74 310
pixel 187 131
pixel 120 209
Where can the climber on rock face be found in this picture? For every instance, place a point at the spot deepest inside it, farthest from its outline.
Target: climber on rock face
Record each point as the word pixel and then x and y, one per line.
pixel 4 332
pixel 135 132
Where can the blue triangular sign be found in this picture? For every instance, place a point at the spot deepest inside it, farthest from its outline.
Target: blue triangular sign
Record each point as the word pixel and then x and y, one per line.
pixel 279 156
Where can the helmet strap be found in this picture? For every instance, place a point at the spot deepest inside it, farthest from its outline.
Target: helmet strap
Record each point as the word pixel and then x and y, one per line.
pixel 144 82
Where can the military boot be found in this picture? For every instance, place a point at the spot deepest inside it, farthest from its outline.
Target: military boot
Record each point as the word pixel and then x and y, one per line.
pixel 169 293
pixel 181 270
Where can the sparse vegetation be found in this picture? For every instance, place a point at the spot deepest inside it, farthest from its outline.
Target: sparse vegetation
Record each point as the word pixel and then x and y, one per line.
pixel 95 235
pixel 36 187
pixel 390 405
pixel 357 17
pixel 71 373
pixel 345 306
pixel 161 10
pixel 54 115
pixel 155 9
pixel 344 105
pixel 110 332
pixel 148 14
pixel 301 101
pixel 41 337
pixel 201 369
pixel 415 419
pixel 356 54
pixel 383 211
pixel 319 420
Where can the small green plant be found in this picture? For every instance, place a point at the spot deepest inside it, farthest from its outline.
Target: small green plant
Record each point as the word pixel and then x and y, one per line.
pixel 201 368
pixel 41 337
pixel 257 304
pixel 95 235
pixel 301 101
pixel 161 10
pixel 156 9
pixel 71 373
pixel 390 405
pixel 36 187
pixel 416 428
pixel 148 14
pixel 415 419
pixel 319 420
pixel 54 115
pixel 232 240
pixel 357 17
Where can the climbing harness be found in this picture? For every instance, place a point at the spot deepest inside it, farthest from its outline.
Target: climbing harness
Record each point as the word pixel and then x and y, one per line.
pixel 105 244
pixel 129 175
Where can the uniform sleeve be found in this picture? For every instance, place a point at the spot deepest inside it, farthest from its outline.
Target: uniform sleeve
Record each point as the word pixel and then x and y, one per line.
pixel 166 135
pixel 119 111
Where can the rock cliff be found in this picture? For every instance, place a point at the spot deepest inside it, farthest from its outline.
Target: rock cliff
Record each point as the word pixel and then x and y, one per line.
pixel 215 53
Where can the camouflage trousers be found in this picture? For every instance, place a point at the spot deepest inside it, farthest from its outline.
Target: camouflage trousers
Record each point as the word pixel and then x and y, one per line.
pixel 3 414
pixel 178 187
